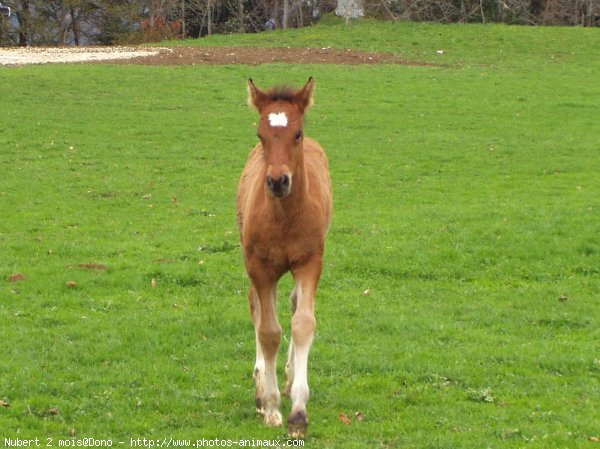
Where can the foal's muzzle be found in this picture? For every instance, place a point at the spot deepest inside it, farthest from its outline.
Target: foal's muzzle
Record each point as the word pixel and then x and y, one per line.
pixel 279 187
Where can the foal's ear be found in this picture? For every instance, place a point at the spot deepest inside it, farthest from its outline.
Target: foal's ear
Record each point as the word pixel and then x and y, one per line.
pixel 256 97
pixel 304 97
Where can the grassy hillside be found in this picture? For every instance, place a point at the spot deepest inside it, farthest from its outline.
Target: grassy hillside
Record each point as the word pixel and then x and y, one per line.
pixel 459 302
pixel 472 44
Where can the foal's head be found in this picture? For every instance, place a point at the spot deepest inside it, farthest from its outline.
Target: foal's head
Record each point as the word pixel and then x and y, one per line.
pixel 280 131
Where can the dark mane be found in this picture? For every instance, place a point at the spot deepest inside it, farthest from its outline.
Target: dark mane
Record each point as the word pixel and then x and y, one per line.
pixel 282 93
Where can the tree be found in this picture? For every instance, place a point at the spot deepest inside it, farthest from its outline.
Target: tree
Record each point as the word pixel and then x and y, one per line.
pixel 24 18
pixel 63 19
pixel 86 22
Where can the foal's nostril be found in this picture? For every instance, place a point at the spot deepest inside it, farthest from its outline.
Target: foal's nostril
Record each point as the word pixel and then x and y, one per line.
pixel 281 186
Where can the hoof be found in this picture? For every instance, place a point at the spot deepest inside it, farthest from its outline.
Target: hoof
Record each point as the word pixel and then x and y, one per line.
pixel 273 419
pixel 297 425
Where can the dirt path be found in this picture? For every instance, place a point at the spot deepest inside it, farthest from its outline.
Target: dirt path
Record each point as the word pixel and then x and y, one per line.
pixel 194 56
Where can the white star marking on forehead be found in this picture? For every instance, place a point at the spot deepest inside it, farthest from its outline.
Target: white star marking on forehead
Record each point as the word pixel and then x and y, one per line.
pixel 279 119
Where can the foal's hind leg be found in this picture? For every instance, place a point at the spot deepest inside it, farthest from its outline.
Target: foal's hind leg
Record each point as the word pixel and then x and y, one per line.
pixel 289 367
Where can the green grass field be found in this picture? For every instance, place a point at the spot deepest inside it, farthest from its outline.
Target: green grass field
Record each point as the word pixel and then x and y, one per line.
pixel 467 206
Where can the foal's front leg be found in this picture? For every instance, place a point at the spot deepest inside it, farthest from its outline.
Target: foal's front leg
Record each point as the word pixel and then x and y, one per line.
pixel 259 366
pixel 303 330
pixel 268 338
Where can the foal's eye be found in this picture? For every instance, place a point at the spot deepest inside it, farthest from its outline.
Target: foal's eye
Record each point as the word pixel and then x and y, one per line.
pixel 298 135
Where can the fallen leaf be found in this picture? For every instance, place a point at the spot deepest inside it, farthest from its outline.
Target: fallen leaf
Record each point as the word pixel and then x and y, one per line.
pixel 359 416
pixel 71 284
pixel 366 292
pixel 147 196
pixel 72 431
pixel 16 277
pixel 4 404
pixel 594 439
pixel 154 283
pixel 345 419
pixel 54 411
pixel 93 266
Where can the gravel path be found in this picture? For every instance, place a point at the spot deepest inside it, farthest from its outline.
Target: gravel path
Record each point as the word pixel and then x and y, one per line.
pixel 36 55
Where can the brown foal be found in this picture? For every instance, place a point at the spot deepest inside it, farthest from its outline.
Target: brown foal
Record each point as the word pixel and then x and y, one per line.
pixel 284 209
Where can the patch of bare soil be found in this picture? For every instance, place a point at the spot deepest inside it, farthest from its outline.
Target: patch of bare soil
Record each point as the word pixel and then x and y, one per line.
pixel 195 56
pixel 257 56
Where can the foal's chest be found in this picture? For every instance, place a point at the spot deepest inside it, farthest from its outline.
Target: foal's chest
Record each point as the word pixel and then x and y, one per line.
pixel 283 247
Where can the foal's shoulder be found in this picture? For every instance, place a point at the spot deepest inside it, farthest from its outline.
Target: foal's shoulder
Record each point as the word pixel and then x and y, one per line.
pixel 311 146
